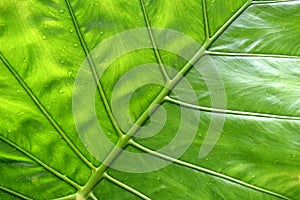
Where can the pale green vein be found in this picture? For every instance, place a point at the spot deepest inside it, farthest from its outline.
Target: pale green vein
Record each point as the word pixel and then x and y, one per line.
pixel 45 112
pixel 153 42
pixel 279 1
pixel 207 171
pixel 225 111
pixel 205 16
pixel 69 197
pixel 124 139
pixel 74 196
pixel 41 163
pixel 93 196
pixel 251 55
pixel 93 68
pixel 201 52
pixel 12 192
pixel 231 19
pixel 126 187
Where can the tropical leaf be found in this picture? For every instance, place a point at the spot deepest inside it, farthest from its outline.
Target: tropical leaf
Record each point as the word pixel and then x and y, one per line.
pixel 253 45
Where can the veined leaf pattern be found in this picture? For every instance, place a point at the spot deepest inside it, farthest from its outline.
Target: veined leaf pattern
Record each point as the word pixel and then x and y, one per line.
pixel 254 45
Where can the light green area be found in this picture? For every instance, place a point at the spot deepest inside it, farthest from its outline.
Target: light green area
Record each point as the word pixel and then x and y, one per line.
pixel 255 47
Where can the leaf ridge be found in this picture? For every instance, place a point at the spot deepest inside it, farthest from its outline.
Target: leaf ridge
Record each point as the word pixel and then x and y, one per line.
pixel 93 196
pixel 124 140
pixel 45 112
pixel 205 16
pixel 230 20
pixel 14 193
pixel 41 163
pixel 205 170
pixel 225 111
pixel 93 68
pixel 68 197
pixel 269 2
pixel 251 55
pixel 154 44
pixel 126 187
pixel 201 52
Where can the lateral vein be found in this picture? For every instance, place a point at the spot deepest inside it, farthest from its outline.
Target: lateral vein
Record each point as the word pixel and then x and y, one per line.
pixel 12 192
pixel 124 140
pixel 230 20
pixel 225 111
pixel 153 42
pixel 205 170
pixel 278 1
pixel 94 71
pixel 205 16
pixel 251 55
pixel 126 187
pixel 45 112
pixel 41 163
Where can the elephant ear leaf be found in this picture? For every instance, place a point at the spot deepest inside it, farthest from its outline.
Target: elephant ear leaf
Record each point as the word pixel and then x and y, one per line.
pixel 248 49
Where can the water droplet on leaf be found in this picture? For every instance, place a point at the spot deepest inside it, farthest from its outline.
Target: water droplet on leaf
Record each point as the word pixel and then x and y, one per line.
pixel 75 45
pixel 70 73
pixel 71 30
pixel 61 11
pixel 20 113
pixel 275 162
pixel 101 32
pixel 34 180
pixel 61 91
pixel 44 37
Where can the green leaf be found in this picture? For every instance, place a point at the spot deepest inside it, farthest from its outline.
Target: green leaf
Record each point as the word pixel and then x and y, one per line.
pixel 48 143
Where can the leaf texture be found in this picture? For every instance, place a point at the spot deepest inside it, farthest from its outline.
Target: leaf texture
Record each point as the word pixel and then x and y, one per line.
pixel 255 47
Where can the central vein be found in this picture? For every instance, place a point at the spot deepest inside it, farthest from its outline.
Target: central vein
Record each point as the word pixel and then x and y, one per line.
pixel 124 140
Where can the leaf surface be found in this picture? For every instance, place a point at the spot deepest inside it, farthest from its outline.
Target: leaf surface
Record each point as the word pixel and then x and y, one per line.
pixel 254 46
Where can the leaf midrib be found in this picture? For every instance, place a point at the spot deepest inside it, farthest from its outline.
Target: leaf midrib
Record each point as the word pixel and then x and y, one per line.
pixel 170 85
pixel 124 140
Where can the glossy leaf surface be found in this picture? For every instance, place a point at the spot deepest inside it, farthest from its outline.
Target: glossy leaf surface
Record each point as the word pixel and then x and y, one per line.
pixel 255 47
